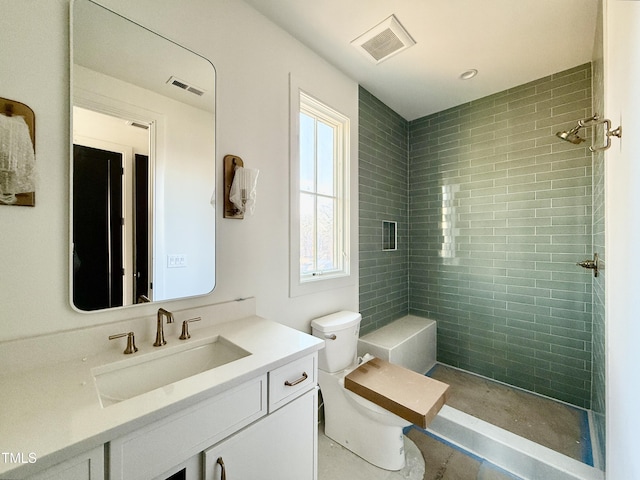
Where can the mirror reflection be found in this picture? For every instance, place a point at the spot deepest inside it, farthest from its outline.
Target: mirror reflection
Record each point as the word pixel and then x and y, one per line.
pixel 143 164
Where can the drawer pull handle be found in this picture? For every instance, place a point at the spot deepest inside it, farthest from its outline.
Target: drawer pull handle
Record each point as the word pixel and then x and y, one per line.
pixel 299 380
pixel 223 476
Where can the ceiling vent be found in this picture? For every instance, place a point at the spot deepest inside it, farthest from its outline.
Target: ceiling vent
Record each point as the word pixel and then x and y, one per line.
pixel 384 40
pixel 185 86
pixel 133 123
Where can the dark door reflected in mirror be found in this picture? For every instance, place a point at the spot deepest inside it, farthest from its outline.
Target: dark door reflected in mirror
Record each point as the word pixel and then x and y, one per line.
pixel 97 229
pixel 143 164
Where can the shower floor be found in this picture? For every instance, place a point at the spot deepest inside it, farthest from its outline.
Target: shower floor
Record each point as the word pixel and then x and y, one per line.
pixel 553 424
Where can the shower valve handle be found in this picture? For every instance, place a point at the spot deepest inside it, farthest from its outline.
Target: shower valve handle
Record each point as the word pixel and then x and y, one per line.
pixel 590 264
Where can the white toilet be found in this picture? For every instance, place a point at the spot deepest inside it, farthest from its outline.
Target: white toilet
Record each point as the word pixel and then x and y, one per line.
pixel 369 431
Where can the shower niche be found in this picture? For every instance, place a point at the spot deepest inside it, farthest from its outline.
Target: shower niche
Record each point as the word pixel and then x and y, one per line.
pixel 389 235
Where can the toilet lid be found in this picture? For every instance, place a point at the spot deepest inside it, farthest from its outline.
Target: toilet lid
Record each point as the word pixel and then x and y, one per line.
pixel 336 321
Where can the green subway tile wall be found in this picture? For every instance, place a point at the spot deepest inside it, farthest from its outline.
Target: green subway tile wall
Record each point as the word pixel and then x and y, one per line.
pixel 383 166
pixel 493 212
pixel 499 214
pixel 598 391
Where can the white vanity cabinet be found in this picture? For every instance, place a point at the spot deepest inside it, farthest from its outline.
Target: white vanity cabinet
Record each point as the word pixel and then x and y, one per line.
pixel 88 466
pixel 263 428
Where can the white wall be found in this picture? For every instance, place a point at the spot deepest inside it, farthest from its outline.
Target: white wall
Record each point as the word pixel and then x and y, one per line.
pixel 253 60
pixel 622 173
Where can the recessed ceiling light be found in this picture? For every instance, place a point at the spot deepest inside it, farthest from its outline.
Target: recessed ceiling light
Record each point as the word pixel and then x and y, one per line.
pixel 469 74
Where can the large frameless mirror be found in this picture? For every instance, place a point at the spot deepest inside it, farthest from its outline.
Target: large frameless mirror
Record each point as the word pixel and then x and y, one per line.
pixel 142 167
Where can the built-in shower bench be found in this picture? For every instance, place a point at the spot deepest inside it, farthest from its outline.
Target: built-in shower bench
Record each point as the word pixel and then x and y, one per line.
pixel 409 341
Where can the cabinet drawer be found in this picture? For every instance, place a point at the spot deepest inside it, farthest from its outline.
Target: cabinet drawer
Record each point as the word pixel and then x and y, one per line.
pixel 291 380
pixel 155 449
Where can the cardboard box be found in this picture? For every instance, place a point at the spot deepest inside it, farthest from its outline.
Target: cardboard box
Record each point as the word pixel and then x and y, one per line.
pixel 412 396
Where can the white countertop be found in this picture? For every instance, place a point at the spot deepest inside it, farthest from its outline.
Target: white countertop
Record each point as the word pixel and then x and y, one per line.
pixel 54 412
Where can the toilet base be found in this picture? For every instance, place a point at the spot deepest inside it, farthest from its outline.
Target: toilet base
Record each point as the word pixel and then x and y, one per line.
pixel 378 443
pixel 371 449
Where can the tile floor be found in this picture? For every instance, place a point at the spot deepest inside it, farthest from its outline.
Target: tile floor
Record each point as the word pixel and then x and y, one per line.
pixel 337 463
pixel 427 459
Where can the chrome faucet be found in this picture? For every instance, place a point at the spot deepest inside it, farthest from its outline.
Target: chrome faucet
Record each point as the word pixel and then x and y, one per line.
pixel 160 332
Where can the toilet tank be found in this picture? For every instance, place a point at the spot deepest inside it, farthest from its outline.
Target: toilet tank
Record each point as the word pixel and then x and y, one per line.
pixel 340 333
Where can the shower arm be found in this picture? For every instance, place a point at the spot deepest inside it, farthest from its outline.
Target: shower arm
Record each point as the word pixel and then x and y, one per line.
pixel 589 122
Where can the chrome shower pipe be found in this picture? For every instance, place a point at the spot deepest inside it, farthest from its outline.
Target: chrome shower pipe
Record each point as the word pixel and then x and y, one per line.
pixel 589 122
pixel 609 133
pixel 573 137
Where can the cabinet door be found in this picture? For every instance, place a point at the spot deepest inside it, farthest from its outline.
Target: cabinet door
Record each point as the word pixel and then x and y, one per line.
pixel 89 466
pixel 283 446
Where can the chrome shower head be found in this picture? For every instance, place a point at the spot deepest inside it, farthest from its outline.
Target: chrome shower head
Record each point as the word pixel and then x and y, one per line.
pixel 571 136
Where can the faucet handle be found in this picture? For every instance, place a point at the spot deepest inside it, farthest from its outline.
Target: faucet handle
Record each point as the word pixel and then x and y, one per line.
pixel 131 341
pixel 185 327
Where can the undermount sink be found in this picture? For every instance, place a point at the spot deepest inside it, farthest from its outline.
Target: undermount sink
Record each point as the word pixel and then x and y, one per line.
pixel 136 376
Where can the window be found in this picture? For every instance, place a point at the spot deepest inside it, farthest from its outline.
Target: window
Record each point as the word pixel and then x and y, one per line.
pixel 320 193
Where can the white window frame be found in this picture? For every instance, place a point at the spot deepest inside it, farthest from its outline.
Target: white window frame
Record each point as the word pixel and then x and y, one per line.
pixel 302 101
